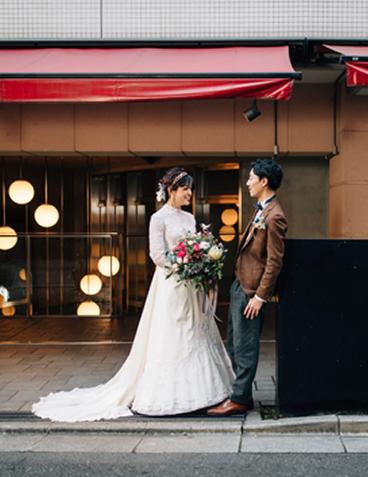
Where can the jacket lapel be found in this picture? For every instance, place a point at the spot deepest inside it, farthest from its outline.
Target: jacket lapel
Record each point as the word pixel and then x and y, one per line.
pixel 249 231
pixel 245 234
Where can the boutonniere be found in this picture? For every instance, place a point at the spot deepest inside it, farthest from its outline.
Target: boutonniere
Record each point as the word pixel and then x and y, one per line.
pixel 259 223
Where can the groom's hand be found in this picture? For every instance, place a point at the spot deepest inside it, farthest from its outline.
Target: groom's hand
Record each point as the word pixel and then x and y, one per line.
pixel 253 308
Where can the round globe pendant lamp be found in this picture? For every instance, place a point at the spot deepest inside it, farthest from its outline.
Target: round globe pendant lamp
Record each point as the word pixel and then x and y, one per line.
pixel 22 274
pixel 21 191
pixel 91 284
pixel 108 265
pixel 8 236
pixel 8 311
pixel 229 216
pixel 46 215
pixel 227 233
pixel 88 308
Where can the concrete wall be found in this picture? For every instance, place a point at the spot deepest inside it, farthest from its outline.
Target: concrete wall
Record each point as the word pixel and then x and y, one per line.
pixel 303 195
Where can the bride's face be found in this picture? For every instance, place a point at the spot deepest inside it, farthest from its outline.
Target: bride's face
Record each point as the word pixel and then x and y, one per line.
pixel 181 196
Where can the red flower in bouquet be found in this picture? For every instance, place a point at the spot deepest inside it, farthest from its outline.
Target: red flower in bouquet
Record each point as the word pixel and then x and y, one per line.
pixel 197 259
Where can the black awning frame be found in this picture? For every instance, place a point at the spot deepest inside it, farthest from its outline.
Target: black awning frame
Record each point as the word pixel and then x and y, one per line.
pixel 296 75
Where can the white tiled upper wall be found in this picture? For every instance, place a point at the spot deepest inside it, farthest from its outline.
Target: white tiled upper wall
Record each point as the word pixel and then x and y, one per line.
pixel 182 19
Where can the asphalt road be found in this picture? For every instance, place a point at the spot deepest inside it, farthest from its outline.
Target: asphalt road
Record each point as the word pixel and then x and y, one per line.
pixel 182 465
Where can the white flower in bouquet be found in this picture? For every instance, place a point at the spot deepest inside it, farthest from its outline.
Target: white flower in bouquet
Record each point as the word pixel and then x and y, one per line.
pixel 198 259
pixel 215 252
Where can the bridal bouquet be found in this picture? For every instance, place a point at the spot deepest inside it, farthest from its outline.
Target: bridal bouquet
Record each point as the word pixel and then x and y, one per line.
pixel 198 258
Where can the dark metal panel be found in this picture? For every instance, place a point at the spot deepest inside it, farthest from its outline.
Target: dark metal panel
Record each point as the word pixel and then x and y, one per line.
pixel 322 330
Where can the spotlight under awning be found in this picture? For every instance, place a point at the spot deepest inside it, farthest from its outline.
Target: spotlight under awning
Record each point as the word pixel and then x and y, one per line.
pixel 55 75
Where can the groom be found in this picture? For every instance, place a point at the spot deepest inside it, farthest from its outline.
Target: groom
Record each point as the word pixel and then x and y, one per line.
pixel 258 264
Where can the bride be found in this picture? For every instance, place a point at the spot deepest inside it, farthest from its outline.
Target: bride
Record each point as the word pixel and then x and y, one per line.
pixel 177 363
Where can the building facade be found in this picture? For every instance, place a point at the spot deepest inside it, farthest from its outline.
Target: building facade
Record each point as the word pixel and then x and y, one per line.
pixel 98 162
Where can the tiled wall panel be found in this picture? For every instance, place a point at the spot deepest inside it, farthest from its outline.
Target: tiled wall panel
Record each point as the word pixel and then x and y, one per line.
pixel 183 19
pixel 50 19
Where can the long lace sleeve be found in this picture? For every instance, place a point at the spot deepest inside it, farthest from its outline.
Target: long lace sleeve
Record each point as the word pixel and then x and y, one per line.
pixel 157 241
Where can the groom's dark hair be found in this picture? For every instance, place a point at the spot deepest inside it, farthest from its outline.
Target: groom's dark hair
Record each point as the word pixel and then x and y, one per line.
pixel 270 170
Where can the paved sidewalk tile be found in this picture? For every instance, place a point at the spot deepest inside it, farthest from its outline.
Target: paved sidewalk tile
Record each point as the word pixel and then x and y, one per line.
pixel 253 443
pixel 356 444
pixel 19 442
pixel 91 443
pixel 201 443
pixel 32 371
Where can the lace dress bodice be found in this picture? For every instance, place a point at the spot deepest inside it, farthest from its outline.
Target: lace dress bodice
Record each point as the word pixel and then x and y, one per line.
pixel 167 226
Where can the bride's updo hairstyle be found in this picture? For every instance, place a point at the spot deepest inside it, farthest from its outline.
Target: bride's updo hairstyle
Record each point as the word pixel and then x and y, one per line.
pixel 173 179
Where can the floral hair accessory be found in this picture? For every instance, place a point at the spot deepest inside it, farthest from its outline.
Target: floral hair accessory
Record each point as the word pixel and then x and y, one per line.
pixel 160 193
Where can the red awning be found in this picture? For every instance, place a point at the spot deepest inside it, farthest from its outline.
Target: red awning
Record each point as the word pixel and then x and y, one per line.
pixel 356 60
pixel 144 74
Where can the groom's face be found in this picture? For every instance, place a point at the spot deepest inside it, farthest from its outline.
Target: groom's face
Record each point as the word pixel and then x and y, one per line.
pixel 255 185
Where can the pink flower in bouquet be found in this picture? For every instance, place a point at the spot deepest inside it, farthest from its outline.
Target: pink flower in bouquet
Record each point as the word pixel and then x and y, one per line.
pixel 197 259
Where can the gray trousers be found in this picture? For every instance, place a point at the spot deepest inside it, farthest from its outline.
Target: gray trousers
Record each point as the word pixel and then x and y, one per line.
pixel 243 337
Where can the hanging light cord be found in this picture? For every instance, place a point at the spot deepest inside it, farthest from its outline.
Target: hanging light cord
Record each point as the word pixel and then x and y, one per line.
pixel 46 185
pixel 3 190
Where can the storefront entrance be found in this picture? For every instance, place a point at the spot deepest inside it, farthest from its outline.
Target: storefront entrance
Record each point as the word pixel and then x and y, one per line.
pixel 105 212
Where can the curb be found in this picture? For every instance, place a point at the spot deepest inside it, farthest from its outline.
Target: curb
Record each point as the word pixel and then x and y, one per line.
pixel 328 424
pixel 172 426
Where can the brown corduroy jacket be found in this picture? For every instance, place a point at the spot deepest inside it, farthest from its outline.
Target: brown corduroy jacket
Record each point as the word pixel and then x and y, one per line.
pixel 260 252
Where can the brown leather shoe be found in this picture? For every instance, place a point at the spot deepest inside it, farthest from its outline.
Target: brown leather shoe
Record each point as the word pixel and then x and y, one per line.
pixel 229 407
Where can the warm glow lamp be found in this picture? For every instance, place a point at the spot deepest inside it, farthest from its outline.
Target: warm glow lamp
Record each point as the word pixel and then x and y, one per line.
pixel 91 284
pixel 108 265
pixel 8 311
pixel 227 233
pixel 46 215
pixel 22 274
pixel 88 308
pixel 229 216
pixel 8 238
pixel 21 192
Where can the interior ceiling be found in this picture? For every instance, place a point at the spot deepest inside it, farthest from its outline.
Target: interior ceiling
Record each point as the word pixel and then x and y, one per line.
pixel 321 74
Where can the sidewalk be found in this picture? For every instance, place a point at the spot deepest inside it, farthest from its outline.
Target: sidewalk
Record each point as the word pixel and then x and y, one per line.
pixel 324 434
pixel 29 371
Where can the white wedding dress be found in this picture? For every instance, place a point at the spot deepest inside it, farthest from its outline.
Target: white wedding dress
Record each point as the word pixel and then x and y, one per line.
pixel 177 363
